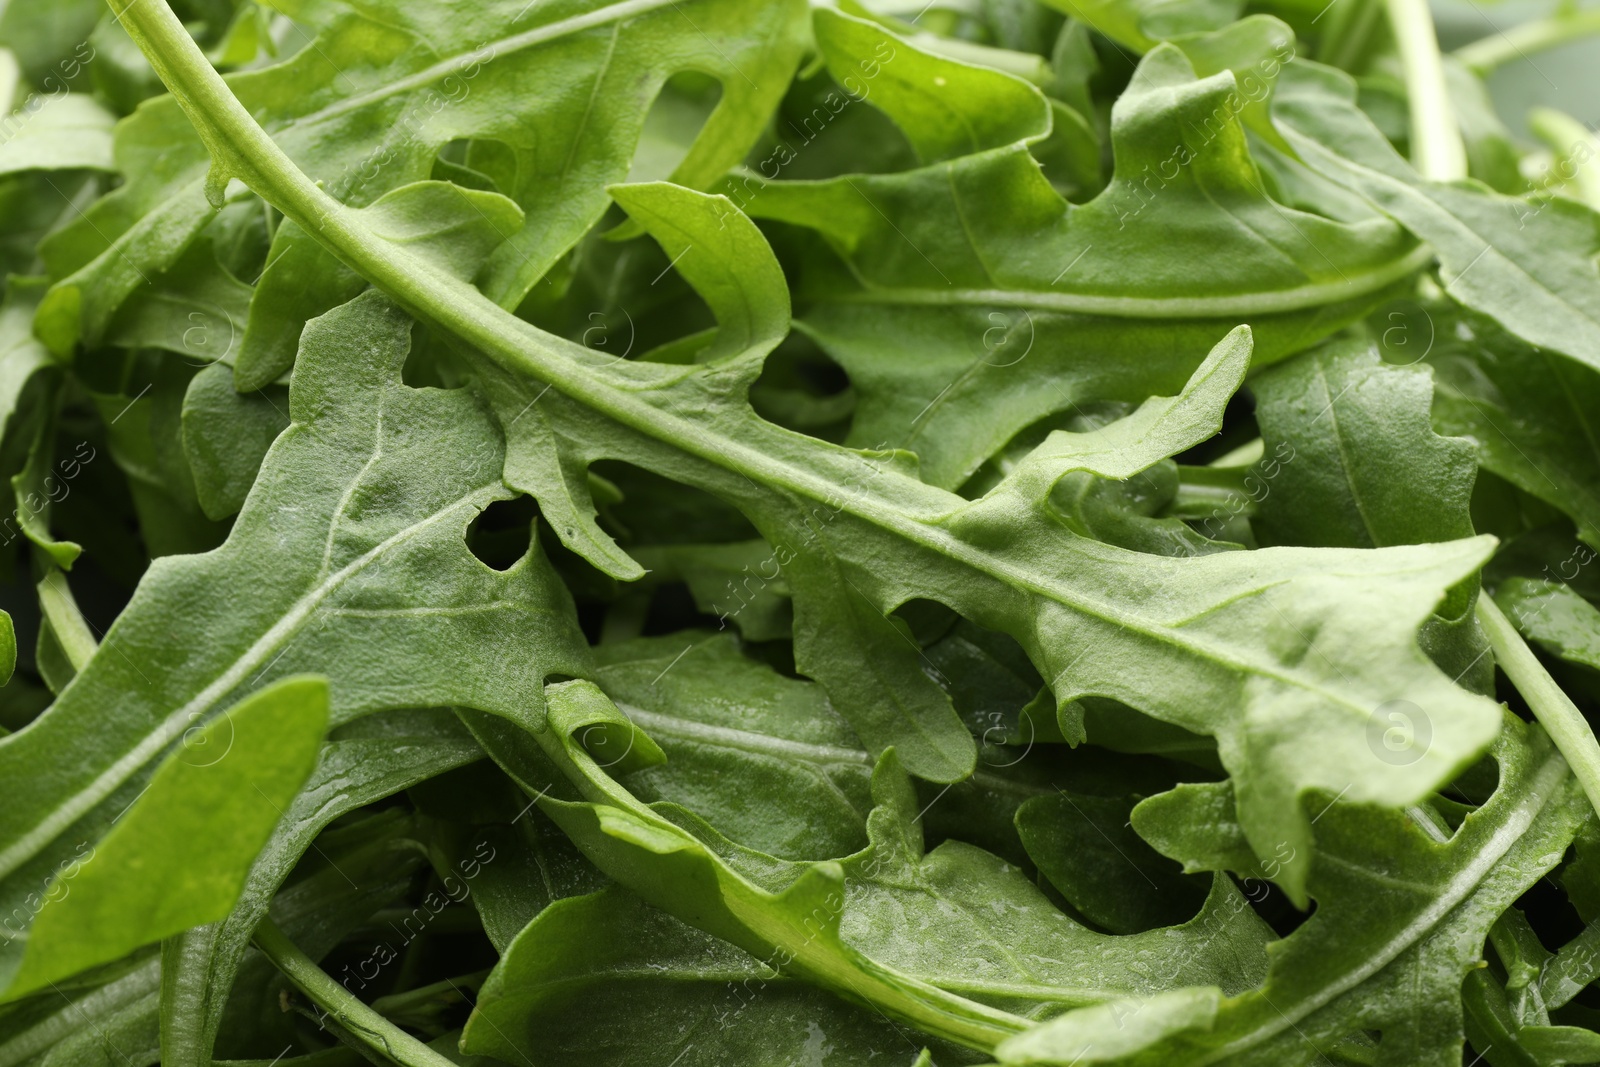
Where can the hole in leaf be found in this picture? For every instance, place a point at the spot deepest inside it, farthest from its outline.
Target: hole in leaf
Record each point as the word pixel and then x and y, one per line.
pixel 501 533
pixel 801 388
pixel 483 164
pixel 1274 906
pixel 652 510
pixel 672 124
pixel 1557 916
pixel 824 129
pixel 431 363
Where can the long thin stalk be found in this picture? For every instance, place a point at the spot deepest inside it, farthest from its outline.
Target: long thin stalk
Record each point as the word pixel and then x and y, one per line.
pixel 1525 40
pixel 77 641
pixel 360 1021
pixel 1436 146
pixel 1555 711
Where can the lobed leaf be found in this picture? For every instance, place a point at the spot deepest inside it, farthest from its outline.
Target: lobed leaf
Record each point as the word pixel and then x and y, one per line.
pixel 349 552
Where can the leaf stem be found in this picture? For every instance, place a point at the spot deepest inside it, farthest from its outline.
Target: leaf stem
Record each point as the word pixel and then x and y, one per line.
pixel 1575 151
pixel 241 148
pixel 61 611
pixel 1555 711
pixel 1489 53
pixel 362 1022
pixel 1436 146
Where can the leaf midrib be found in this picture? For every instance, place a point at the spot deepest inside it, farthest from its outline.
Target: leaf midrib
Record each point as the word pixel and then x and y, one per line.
pixel 521 348
pixel 1345 465
pixel 658 724
pixel 461 61
pixel 1299 298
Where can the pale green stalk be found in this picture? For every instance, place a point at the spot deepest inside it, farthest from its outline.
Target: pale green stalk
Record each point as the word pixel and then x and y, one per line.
pixel 1576 151
pixel 59 607
pixel 354 1017
pixel 1555 711
pixel 1436 146
pixel 240 148
pixel 1522 41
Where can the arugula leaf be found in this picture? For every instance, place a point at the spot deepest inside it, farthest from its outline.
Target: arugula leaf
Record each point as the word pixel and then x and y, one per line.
pixel 898 673
pixel 733 730
pixel 372 487
pixel 1139 24
pixel 602 410
pixel 607 979
pixel 50 1027
pixel 837 923
pixel 370 128
pixel 371 759
pixel 1379 953
pixel 67 132
pixel 1527 411
pixel 1359 448
pixel 1086 847
pixel 781 911
pixel 272 737
pixel 996 521
pixel 1362 445
pixel 226 435
pixel 1554 616
pixel 371 862
pixel 970 280
pixel 1528 266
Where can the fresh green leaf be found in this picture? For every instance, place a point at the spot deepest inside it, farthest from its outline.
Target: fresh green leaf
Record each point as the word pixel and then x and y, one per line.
pixel 607 979
pixel 971 278
pixel 66 132
pixel 379 579
pixel 369 760
pixel 838 923
pixel 1529 266
pixel 893 702
pixel 1363 450
pixel 1379 954
pixel 197 819
pixel 911 685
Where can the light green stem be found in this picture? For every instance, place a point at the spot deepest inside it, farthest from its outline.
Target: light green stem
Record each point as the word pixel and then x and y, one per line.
pixel 1436 146
pixel 240 148
pixel 59 607
pixel 1577 154
pixel 1522 41
pixel 1243 456
pixel 360 1021
pixel 1555 711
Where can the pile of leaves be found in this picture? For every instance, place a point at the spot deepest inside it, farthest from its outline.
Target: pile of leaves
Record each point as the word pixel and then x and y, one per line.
pixel 671 533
